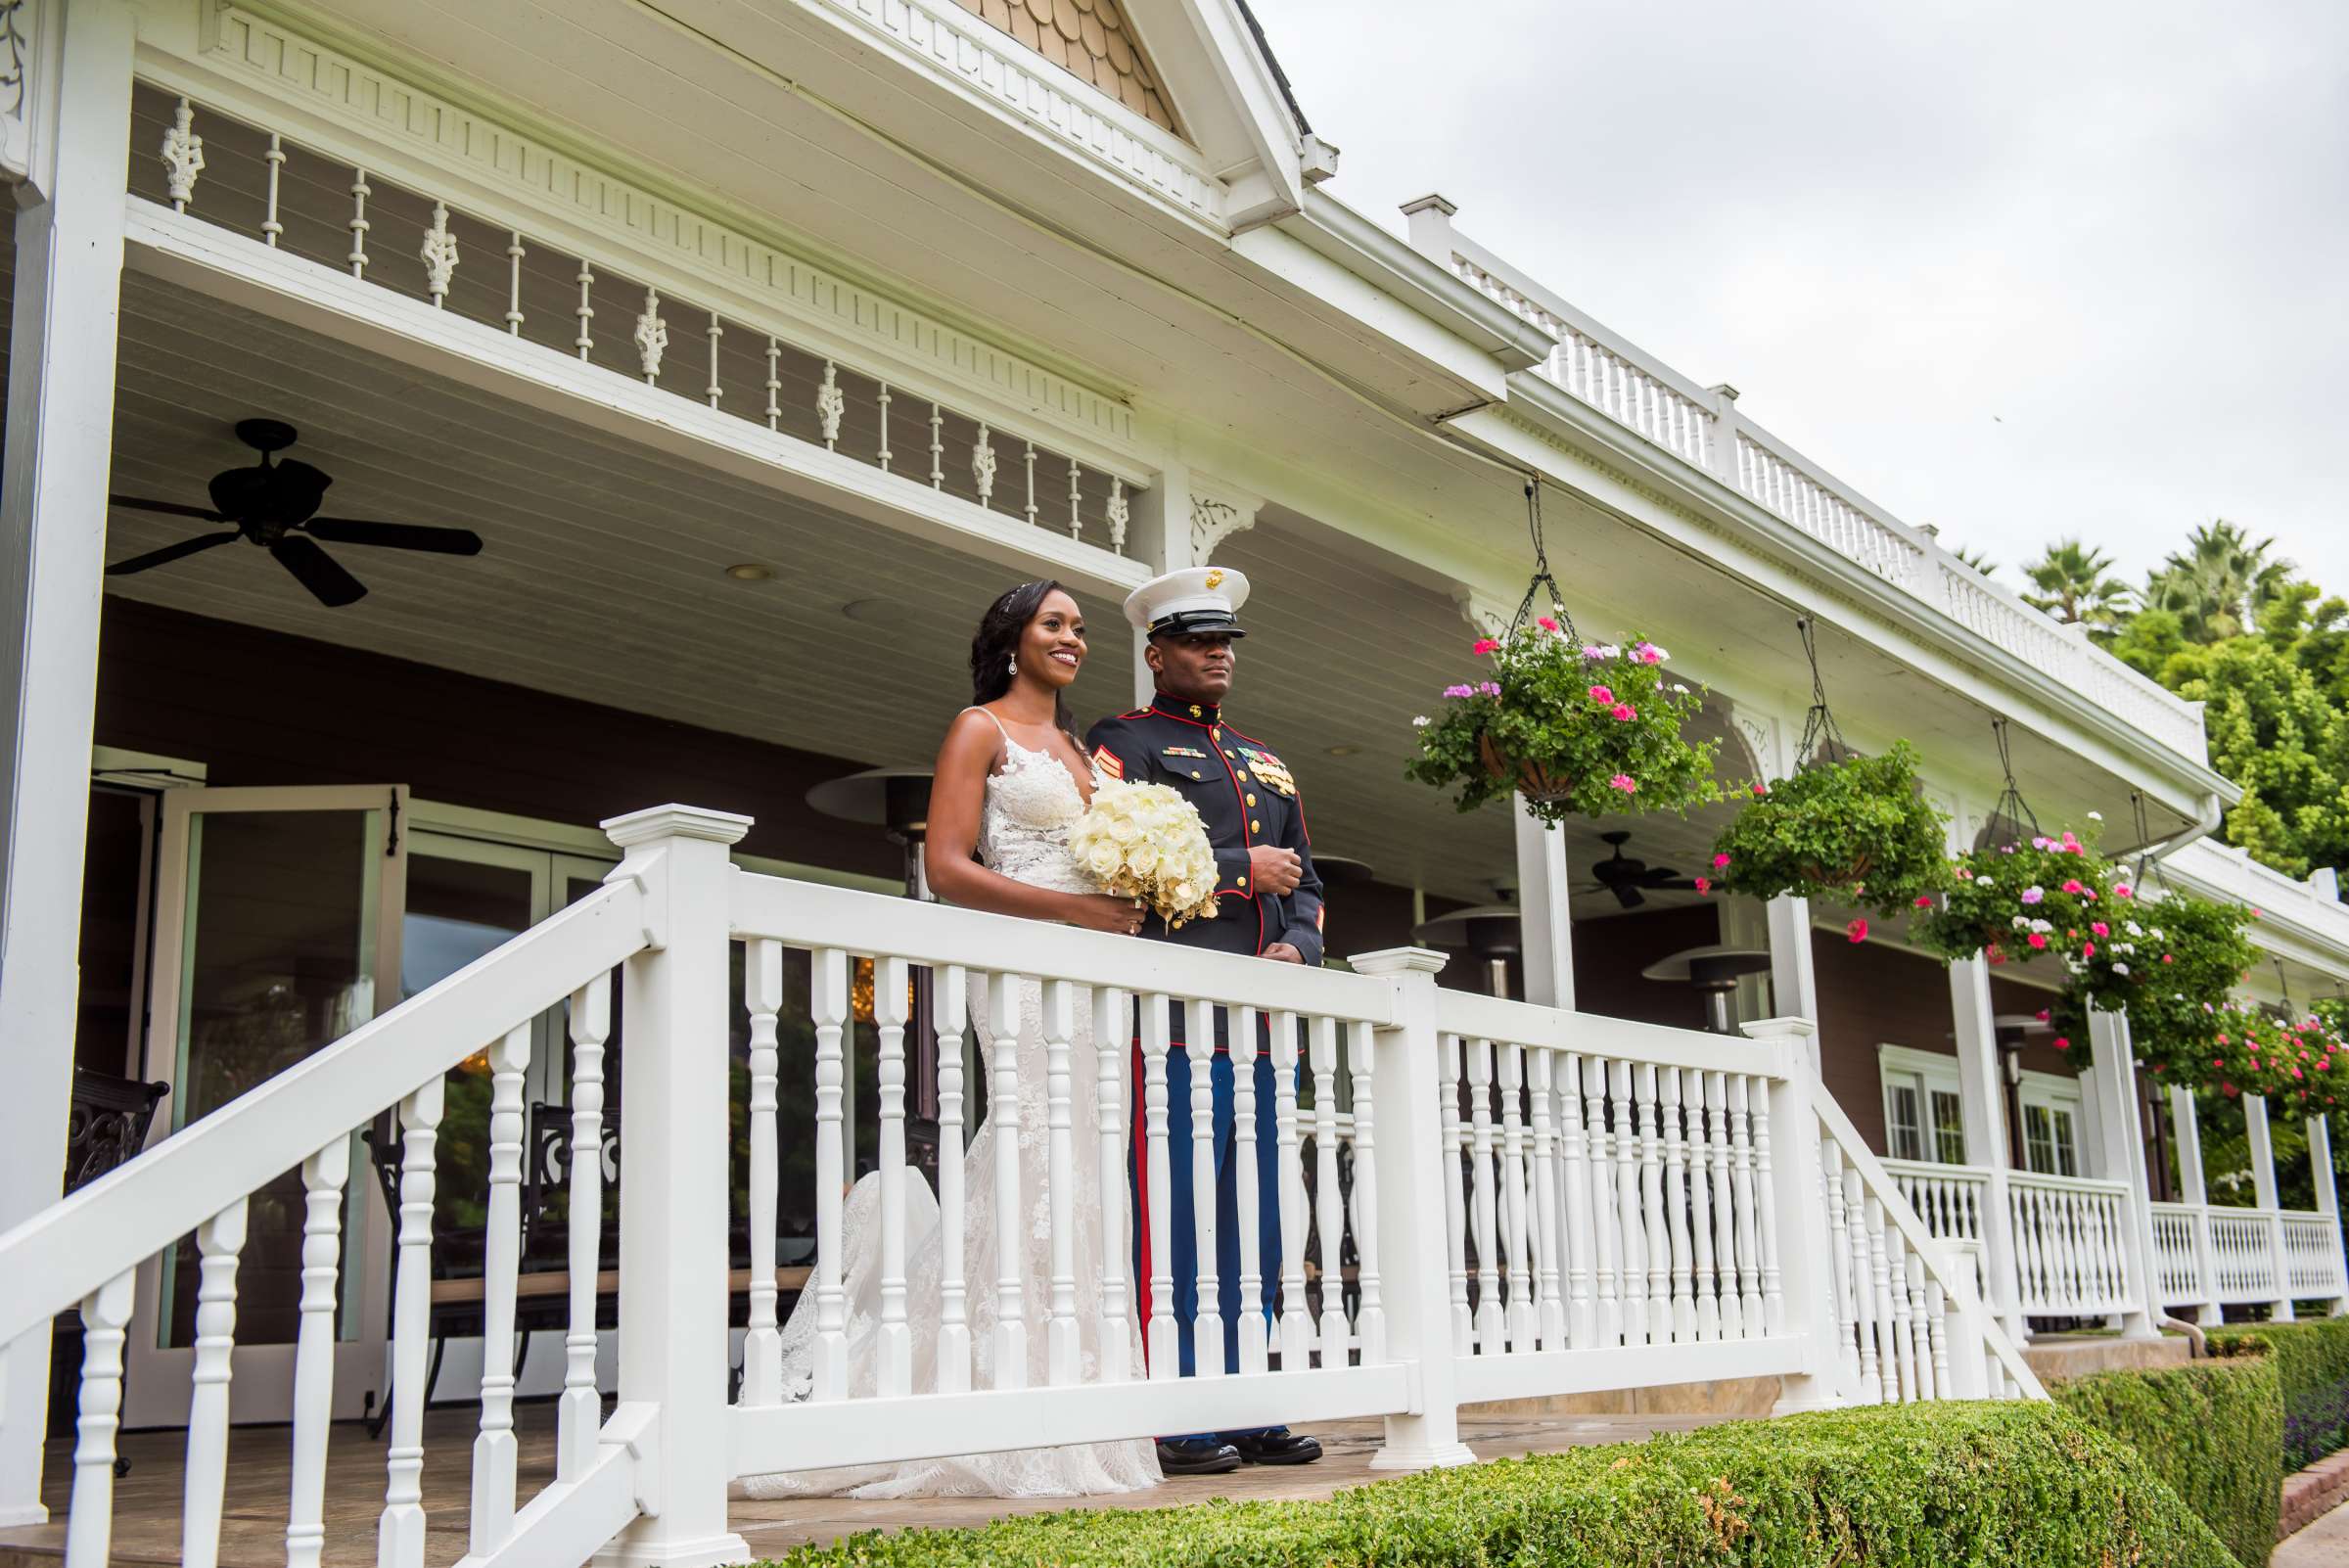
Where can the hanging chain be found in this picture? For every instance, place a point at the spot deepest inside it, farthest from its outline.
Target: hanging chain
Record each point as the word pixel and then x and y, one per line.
pixel 2283 983
pixel 1541 574
pixel 1820 725
pixel 2010 803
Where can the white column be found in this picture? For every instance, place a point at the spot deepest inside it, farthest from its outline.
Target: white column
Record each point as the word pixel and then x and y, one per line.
pixel 2328 1198
pixel 2124 1159
pixel 674 1182
pixel 1982 1109
pixel 1541 900
pixel 60 436
pixel 1793 983
pixel 2185 1132
pixel 1798 1211
pixel 2263 1187
pixel 1160 538
pixel 1409 1167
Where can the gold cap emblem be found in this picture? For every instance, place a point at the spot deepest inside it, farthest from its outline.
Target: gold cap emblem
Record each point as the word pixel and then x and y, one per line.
pixel 1215 581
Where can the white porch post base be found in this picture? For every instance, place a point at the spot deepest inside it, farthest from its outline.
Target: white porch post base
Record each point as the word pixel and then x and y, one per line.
pixel 1411 1182
pixel 2124 1159
pixel 1799 1213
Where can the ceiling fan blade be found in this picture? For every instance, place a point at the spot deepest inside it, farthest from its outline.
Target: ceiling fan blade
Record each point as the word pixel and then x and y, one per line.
pixel 174 508
pixel 1677 885
pixel 394 535
pixel 1630 896
pixel 170 553
pixel 317 572
pixel 1657 876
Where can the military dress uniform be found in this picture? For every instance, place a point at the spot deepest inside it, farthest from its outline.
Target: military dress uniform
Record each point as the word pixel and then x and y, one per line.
pixel 1245 796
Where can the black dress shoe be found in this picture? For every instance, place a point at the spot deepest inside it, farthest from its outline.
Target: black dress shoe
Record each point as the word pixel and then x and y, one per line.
pixel 1280 1446
pixel 1197 1457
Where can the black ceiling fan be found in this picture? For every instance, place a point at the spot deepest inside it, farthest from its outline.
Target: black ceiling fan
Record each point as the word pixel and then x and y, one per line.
pixel 1627 878
pixel 272 504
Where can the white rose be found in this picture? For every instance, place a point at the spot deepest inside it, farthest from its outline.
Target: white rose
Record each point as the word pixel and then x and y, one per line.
pixel 1141 859
pixel 1102 858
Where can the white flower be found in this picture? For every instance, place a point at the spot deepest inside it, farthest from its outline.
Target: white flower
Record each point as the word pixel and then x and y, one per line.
pixel 2020 924
pixel 2095 816
pixel 1682 690
pixel 2042 926
pixel 1419 723
pixel 2133 928
pixel 2120 969
pixel 1983 882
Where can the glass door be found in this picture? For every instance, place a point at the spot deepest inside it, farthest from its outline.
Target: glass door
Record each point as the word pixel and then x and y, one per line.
pixel 277 927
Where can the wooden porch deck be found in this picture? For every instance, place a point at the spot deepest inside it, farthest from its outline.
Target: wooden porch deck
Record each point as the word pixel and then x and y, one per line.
pixel 252 1533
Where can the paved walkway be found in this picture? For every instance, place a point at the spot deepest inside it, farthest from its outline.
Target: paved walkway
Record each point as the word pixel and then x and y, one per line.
pixel 2322 1545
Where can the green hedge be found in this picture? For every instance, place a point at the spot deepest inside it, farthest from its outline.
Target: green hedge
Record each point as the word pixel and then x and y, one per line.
pixel 2312 1357
pixel 2213 1431
pixel 2012 1483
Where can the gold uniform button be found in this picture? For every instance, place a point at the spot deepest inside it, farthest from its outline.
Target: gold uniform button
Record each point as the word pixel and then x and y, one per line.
pixel 1251 800
pixel 1241 775
pixel 1239 880
pixel 1256 827
pixel 1194 772
pixel 1217 735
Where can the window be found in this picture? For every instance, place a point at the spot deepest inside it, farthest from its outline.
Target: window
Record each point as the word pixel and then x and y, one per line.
pixel 1902 1132
pixel 1921 1117
pixel 2051 1126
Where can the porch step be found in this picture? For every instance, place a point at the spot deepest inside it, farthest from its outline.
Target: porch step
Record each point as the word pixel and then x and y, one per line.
pixel 1723 1399
pixel 2054 1356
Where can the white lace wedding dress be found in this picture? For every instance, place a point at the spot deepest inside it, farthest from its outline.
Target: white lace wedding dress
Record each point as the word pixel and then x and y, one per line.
pixel 1031 803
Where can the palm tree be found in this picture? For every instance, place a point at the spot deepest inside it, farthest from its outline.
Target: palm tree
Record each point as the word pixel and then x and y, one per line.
pixel 1977 560
pixel 2076 588
pixel 2221 584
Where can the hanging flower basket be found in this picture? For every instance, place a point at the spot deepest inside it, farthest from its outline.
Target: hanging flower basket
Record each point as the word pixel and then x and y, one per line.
pixel 2173 962
pixel 1589 729
pixel 1853 831
pixel 2021 902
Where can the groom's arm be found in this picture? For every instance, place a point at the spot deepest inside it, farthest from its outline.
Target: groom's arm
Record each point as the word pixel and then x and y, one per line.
pixel 1123 752
pixel 1302 909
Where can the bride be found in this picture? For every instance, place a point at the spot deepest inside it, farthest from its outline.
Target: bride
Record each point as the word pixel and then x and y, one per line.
pixel 1010 782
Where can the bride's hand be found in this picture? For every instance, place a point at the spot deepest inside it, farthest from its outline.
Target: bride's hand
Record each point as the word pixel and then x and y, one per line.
pixel 1102 911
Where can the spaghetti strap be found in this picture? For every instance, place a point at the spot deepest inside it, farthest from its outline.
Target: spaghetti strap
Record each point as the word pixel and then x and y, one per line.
pixel 997 722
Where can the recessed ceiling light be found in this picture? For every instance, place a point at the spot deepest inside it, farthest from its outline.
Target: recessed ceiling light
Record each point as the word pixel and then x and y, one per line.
pixel 750 572
pixel 1344 750
pixel 873 612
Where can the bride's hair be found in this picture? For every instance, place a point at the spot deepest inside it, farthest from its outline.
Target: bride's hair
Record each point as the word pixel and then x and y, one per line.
pixel 997 639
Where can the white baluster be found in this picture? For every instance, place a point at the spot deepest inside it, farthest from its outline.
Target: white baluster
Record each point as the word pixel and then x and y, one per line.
pixel 1839 1258
pixel 358 224
pixel 1651 1209
pixel 937 449
pixel 1518 1314
pixel 183 156
pixel 950 991
pixel 271 228
pixel 1879 1277
pixel 1063 1354
pixel 651 338
pixel 1699 1151
pixel 1456 1210
pixel 1003 1115
pixel 1328 1200
pixel 774 385
pixel 1863 1294
pixel 1774 1303
pixel 893 1344
pixel 714 392
pixel 584 343
pixel 1370 1316
pixel 1932 1307
pixel 399 1536
pixel 1607 1244
pixel 1733 1324
pixel 1112 1040
pixel 1163 1346
pixel 90 1520
pixel 761 1342
pixel 1742 1181
pixel 828 1006
pixel 1028 459
pixel 438 254
pixel 581 1411
pixel 831 404
pixel 496 1456
pixel 323 1175
pixel 982 465
pixel 1630 1224
pixel 1549 1244
pixel 1075 523
pixel 218 1241
pixel 1206 1322
pixel 1121 514
pixel 513 256
pixel 1575 1229
pixel 1296 1324
pixel 1676 1204
pixel 1489 1323
pixel 1254 1346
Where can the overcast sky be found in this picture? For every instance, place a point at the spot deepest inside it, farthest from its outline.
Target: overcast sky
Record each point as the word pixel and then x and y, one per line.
pixel 2020 271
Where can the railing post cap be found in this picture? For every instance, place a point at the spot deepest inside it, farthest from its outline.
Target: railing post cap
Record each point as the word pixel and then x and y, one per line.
pixel 1780 1029
pixel 1398 961
pixel 1723 389
pixel 677 822
pixel 1430 200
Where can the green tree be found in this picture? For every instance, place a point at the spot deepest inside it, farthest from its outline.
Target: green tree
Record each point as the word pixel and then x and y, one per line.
pixel 2076 585
pixel 1967 556
pixel 2278 734
pixel 2221 584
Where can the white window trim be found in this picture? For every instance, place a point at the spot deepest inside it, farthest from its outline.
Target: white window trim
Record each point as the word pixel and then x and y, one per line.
pixel 1936 1071
pixel 1933 1071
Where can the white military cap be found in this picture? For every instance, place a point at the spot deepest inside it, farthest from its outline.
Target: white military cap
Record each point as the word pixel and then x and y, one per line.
pixel 1196 599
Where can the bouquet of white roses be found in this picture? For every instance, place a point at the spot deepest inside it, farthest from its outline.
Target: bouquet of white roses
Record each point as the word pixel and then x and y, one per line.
pixel 1146 842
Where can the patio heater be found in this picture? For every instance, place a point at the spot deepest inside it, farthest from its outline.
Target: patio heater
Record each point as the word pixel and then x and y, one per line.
pixel 1714 971
pixel 1491 932
pixel 896 800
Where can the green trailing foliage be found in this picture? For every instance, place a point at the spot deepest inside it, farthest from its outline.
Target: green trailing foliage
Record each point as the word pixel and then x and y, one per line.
pixel 2312 1363
pixel 2009 1482
pixel 1856 831
pixel 2020 902
pixel 2212 1430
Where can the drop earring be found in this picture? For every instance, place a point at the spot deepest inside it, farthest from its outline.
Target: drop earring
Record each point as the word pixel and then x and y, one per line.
pixel 1011 665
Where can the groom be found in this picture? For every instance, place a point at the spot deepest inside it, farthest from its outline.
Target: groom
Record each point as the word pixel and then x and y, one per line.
pixel 1270 907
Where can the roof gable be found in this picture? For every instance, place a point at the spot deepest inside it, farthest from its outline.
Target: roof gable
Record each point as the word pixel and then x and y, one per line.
pixel 1091 41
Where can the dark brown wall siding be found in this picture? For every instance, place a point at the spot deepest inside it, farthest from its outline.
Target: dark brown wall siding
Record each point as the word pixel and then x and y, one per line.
pixel 1871 995
pixel 1610 953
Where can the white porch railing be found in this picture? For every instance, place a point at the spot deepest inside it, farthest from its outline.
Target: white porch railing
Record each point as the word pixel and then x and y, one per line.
pixel 1540 1202
pixel 1703 428
pixel 2214 1256
pixel 2071 1254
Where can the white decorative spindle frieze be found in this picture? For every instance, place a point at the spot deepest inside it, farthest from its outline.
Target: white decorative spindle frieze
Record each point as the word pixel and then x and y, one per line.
pixel 183 156
pixel 358 224
pixel 584 341
pixel 881 401
pixel 438 254
pixel 831 404
pixel 982 465
pixel 651 337
pixel 937 449
pixel 271 225
pixel 1028 459
pixel 1121 514
pixel 515 251
pixel 714 330
pixel 774 385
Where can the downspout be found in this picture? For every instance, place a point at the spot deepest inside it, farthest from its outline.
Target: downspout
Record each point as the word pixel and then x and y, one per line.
pixel 2206 822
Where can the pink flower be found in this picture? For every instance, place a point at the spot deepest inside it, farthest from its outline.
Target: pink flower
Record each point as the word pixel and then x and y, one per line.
pixel 1647 653
pixel 2120 890
pixel 1965 874
pixel 2063 1043
pixel 1460 691
pixel 2088 949
pixel 1924 900
pixel 1760 790
pixel 1546 623
pixel 2073 885
pixel 2041 1015
pixel 1593 652
pixel 2034 895
pixel 1624 782
pixel 1721 862
pixel 2229 1090
pixel 2098 927
pixel 1488 688
pixel 2167 960
pixel 1601 695
pixel 1623 711
pixel 2224 1041
pixel 1483 646
pixel 1704 884
pixel 1856 930
pixel 2035 941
